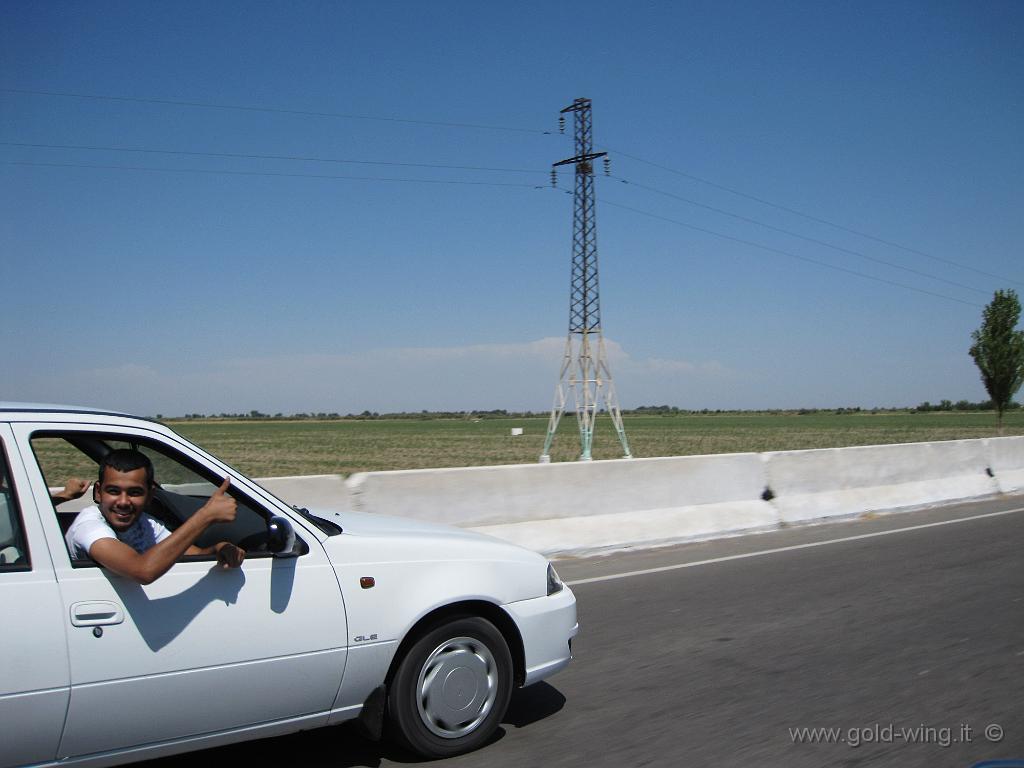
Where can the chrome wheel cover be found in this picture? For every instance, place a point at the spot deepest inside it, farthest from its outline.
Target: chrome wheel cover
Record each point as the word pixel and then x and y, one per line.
pixel 457 687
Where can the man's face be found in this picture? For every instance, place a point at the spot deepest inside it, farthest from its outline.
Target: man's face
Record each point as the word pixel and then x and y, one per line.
pixel 122 497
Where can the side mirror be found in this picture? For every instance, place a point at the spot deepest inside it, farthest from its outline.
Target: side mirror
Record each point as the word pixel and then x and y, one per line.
pixel 281 537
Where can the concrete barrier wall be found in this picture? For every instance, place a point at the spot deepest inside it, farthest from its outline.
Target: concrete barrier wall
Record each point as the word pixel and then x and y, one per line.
pixel 606 504
pixel 846 481
pixel 1006 458
pixel 514 493
pixel 326 491
pixel 582 506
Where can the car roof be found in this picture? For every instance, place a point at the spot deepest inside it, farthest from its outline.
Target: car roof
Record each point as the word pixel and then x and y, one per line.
pixel 56 408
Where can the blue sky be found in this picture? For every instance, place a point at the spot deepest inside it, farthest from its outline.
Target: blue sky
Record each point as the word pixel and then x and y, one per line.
pixel 233 283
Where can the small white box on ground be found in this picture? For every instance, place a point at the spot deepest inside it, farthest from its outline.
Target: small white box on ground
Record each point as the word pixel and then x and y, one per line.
pixel 517 431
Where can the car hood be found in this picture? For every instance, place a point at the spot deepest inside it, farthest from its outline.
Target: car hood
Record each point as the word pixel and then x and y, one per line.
pixel 404 537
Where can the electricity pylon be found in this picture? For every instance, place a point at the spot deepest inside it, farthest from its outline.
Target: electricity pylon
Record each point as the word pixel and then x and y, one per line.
pixel 585 363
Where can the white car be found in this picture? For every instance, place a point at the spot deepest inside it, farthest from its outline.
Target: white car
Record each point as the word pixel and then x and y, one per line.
pixel 420 630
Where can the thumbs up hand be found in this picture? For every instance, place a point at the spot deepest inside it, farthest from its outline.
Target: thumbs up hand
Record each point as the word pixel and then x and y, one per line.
pixel 220 508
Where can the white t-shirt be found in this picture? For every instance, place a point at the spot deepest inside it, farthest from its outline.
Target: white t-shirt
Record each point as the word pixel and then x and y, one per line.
pixel 90 526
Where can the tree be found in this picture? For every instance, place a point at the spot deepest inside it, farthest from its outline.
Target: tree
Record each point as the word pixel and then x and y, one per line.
pixel 998 350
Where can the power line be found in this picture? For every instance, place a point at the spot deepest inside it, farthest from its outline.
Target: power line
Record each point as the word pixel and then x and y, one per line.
pixel 249 156
pixel 452 124
pixel 485 184
pixel 792 255
pixel 790 233
pixel 272 110
pixel 817 219
pixel 235 155
pixel 273 174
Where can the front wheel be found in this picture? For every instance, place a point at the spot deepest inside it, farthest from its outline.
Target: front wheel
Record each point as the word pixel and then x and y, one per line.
pixel 452 688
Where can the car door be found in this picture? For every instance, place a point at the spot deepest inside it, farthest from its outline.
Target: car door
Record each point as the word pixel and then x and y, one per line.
pixel 34 685
pixel 201 650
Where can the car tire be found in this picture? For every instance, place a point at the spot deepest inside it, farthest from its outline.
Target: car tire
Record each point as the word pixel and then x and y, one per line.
pixel 451 688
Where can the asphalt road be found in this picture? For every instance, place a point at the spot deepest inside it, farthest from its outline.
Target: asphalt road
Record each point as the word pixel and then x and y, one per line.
pixel 909 640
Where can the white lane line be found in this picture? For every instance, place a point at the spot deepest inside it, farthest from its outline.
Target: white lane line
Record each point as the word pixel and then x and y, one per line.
pixel 759 553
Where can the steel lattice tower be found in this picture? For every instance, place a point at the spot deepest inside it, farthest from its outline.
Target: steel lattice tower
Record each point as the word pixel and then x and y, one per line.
pixel 585 364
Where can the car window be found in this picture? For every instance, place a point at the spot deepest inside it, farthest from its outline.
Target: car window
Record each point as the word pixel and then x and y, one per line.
pixel 60 460
pixel 13 552
pixel 183 486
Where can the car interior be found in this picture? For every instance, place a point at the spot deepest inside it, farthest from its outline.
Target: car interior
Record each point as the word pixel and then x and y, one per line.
pixel 182 487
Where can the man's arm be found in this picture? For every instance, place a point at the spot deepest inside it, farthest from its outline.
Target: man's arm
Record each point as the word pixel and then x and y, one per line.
pixel 149 566
pixel 74 488
pixel 228 555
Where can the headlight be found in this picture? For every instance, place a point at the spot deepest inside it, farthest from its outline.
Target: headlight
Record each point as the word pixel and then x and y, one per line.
pixel 554 583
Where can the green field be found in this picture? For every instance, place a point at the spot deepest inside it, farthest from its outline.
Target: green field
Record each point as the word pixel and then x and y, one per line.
pixel 275 448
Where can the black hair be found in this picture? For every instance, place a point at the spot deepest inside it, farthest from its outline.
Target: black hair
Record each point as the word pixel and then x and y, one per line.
pixel 126 460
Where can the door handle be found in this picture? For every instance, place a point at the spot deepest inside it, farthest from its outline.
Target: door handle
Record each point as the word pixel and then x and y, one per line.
pixel 93 613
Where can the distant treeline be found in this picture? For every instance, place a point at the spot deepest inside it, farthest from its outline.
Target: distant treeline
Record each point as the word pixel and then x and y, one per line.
pixel 943 405
pixel 643 410
pixel 963 405
pixel 500 413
